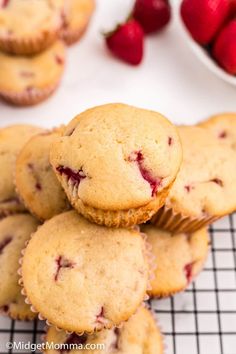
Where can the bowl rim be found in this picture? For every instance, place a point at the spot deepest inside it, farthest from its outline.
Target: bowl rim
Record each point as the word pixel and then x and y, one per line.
pixel 203 55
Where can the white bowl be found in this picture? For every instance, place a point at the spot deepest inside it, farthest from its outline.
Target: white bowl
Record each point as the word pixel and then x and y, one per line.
pixel 204 56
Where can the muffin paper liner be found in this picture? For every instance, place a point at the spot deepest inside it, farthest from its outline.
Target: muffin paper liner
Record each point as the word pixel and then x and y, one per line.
pixel 29 98
pixel 5 213
pixel 167 219
pixel 164 345
pixel 112 218
pixel 13 208
pixel 18 317
pixel 29 46
pixel 150 258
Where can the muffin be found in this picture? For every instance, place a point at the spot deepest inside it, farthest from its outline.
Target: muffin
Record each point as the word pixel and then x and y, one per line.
pixel 180 257
pixel 76 17
pixel 138 335
pixel 223 126
pixel 35 179
pixel 12 139
pixel 82 277
pixel 204 189
pixel 29 27
pixel 15 230
pixel 25 81
pixel 117 163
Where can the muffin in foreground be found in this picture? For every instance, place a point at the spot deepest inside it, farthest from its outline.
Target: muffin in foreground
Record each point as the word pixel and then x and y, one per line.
pixel 138 335
pixel 76 17
pixel 29 27
pixel 12 139
pixel 15 230
pixel 26 81
pixel 204 189
pixel 117 163
pixel 35 179
pixel 180 258
pixel 82 277
pixel 223 127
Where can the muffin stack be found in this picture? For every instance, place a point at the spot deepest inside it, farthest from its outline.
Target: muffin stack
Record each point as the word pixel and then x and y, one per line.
pixel 116 206
pixel 32 49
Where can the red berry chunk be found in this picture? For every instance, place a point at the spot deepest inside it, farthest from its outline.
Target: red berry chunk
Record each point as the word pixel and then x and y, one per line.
pixel 62 262
pixel 74 176
pixel 138 157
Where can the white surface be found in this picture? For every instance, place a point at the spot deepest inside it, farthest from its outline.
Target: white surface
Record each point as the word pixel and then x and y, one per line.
pixel 170 80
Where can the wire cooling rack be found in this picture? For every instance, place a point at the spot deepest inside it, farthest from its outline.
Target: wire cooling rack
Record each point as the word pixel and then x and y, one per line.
pixel 202 320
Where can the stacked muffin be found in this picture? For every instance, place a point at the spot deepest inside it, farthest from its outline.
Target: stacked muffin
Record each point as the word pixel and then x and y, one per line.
pixel 116 208
pixel 32 49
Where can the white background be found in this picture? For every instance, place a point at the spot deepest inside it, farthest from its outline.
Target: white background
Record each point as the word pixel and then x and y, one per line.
pixel 170 80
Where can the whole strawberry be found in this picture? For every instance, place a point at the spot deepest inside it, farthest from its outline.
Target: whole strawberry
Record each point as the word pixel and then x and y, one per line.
pixel 153 15
pixel 232 8
pixel 127 41
pixel 224 49
pixel 204 18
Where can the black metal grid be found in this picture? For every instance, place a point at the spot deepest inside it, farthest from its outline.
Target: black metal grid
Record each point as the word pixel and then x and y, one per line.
pixel 202 320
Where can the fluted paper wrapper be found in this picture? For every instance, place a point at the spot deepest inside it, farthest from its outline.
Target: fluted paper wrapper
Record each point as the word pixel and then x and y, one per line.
pixel 167 219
